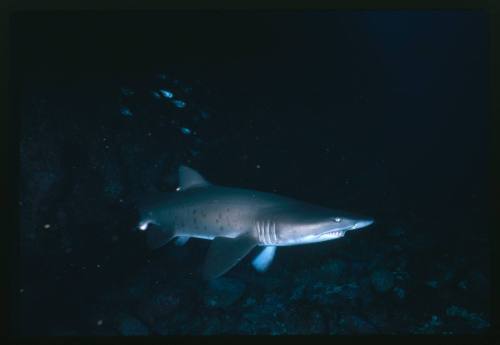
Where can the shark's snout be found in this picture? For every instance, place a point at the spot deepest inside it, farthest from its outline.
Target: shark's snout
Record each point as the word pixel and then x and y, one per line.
pixel 363 223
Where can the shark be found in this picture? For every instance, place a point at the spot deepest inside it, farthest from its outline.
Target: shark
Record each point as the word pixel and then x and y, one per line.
pixel 237 220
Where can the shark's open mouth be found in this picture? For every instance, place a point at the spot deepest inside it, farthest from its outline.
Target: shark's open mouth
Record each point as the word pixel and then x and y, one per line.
pixel 333 234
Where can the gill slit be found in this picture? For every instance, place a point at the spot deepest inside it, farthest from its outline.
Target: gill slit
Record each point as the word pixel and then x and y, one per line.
pixel 266 232
pixel 259 229
pixel 263 227
pixel 271 240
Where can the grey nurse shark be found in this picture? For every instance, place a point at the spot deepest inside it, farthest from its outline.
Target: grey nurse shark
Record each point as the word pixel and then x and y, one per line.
pixel 237 220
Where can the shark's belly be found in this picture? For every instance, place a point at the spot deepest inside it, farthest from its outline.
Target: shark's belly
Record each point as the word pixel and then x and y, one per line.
pixel 203 237
pixel 206 232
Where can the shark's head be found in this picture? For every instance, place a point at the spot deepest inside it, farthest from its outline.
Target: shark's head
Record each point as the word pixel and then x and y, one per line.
pixel 306 223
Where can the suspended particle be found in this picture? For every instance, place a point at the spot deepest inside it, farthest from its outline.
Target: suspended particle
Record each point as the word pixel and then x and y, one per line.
pixel 166 93
pixel 125 111
pixel 178 103
pixel 156 94
pixel 185 130
pixel 126 92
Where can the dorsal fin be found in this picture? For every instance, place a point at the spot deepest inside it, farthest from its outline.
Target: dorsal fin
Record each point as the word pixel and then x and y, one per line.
pixel 189 178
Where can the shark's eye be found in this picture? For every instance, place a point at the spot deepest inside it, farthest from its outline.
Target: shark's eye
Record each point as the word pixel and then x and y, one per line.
pixel 337 219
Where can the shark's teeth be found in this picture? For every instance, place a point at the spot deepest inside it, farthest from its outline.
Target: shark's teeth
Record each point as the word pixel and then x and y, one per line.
pixel 335 233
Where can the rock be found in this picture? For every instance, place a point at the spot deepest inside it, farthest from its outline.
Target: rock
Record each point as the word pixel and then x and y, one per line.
pixel 473 319
pixel 264 317
pixel 180 322
pixel 399 292
pixel 269 283
pixel 478 283
pixel 129 325
pixel 357 325
pixel 212 326
pixel 217 324
pixel 430 326
pixel 161 304
pixel 272 304
pixel 316 323
pixel 303 278
pixel 324 294
pixel 304 322
pixel 333 271
pixel 297 292
pixel 382 280
pixel 349 291
pixel 365 292
pixel 250 301
pixel 164 327
pixel 223 292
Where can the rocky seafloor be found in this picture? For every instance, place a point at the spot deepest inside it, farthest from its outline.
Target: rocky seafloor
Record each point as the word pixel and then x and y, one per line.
pixel 85 270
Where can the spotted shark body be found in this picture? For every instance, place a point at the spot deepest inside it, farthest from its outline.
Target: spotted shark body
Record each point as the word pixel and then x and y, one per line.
pixel 238 220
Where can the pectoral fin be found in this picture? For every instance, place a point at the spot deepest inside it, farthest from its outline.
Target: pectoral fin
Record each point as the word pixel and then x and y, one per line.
pixel 264 259
pixel 224 253
pixel 181 240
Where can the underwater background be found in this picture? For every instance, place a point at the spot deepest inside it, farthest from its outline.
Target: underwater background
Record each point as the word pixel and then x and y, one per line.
pixel 383 113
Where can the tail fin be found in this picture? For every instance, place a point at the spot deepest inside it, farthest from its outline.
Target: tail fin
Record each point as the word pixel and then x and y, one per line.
pixel 157 237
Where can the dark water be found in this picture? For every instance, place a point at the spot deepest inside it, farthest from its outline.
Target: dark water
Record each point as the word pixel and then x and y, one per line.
pixel 381 113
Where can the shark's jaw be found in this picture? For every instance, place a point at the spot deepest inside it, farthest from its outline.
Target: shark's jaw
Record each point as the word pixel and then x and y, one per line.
pixel 328 234
pixel 338 233
pixel 331 235
pixel 324 236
